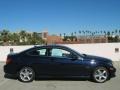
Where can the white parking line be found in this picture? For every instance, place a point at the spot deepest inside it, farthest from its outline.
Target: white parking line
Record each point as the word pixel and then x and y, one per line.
pixel 3 82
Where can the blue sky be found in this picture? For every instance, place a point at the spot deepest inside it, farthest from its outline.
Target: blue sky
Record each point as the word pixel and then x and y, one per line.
pixel 59 16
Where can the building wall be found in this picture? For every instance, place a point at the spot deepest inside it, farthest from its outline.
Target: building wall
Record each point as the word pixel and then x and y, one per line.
pixel 102 49
pixel 49 39
pixel 87 39
pixel 53 39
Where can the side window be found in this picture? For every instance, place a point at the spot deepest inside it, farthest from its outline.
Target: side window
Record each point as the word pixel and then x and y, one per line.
pixel 60 53
pixel 38 52
pixel 56 52
pixel 42 52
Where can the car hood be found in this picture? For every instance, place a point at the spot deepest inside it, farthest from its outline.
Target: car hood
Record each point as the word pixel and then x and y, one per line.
pixel 90 57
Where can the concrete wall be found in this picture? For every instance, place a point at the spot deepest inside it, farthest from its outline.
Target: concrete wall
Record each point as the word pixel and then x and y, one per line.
pixel 102 49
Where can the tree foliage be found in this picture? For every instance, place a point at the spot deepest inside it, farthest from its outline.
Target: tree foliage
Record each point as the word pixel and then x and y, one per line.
pixel 21 38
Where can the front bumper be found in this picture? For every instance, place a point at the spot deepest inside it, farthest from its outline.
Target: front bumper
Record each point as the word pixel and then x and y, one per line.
pixel 112 71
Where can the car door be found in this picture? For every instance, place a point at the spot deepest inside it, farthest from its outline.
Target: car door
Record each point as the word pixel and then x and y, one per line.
pixel 66 63
pixel 40 61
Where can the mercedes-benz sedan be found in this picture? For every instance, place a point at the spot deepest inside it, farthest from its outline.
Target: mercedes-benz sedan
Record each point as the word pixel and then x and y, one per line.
pixel 57 61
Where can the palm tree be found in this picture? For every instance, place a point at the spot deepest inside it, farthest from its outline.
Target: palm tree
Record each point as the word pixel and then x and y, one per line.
pixel 83 33
pixel 90 33
pixel 72 36
pixel 64 35
pixel 14 38
pixel 101 32
pixel 22 35
pixel 112 32
pixel 98 32
pixel 108 33
pixel 60 35
pixel 29 38
pixel 79 32
pixel 105 33
pixel 75 33
pixel 36 39
pixel 116 31
pixel 0 36
pixel 5 35
pixel 94 33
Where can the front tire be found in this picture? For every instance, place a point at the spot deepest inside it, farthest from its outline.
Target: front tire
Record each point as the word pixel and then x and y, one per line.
pixel 26 74
pixel 100 75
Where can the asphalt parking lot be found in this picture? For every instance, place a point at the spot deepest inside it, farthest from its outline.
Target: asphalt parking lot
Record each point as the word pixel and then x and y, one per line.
pixel 12 84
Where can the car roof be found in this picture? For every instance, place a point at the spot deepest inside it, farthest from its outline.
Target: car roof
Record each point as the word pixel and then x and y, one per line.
pixel 43 46
pixel 53 45
pixel 50 46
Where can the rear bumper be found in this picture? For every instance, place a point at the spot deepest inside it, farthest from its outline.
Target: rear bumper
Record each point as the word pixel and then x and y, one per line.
pixel 10 69
pixel 10 76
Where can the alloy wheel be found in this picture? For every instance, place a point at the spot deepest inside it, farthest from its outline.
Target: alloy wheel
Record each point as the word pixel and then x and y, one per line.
pixel 100 75
pixel 26 74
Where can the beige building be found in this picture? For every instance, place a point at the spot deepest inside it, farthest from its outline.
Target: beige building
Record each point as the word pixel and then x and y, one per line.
pixel 51 39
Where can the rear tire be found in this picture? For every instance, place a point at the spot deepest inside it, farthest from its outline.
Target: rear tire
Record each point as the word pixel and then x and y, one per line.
pixel 26 74
pixel 100 75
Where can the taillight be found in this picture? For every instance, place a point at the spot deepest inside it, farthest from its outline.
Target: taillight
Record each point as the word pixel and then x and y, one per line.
pixel 8 61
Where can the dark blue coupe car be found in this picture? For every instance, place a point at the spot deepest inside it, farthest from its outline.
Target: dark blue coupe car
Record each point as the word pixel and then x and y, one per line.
pixel 57 61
